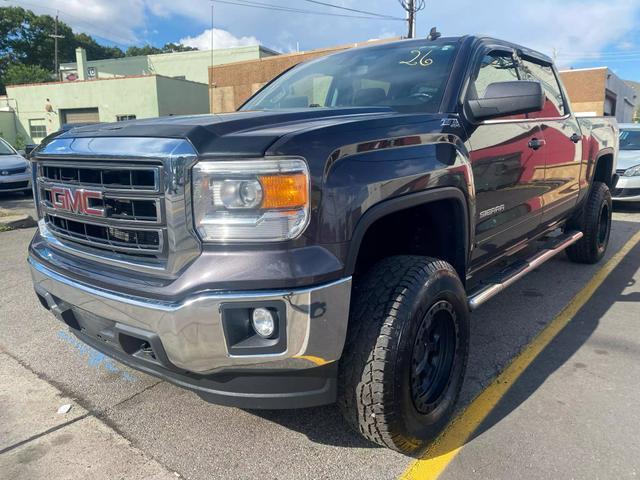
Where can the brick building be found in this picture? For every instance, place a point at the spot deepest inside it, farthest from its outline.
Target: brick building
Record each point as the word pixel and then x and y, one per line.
pixel 598 92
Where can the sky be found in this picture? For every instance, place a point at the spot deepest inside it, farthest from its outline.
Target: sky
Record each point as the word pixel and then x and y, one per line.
pixel 581 33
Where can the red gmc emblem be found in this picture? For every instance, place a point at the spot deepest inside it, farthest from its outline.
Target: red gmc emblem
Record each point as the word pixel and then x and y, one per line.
pixel 76 201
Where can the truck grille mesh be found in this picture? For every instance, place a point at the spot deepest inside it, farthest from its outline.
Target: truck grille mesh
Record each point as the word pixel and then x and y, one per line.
pixel 130 196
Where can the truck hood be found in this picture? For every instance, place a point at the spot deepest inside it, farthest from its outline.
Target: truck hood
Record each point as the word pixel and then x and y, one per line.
pixel 242 133
pixel 628 159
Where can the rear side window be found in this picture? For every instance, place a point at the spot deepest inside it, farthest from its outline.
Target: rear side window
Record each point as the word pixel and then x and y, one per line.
pixel 554 105
pixel 494 67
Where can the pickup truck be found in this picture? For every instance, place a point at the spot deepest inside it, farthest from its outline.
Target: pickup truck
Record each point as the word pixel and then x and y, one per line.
pixel 328 241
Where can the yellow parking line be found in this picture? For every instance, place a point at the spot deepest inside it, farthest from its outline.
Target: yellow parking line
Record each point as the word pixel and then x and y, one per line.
pixel 445 448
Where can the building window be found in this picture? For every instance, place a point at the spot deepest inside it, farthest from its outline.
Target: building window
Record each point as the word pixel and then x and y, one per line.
pixel 122 118
pixel 37 128
pixel 610 101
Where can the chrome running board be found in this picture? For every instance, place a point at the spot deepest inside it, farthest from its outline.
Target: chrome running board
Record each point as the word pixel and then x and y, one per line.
pixel 514 272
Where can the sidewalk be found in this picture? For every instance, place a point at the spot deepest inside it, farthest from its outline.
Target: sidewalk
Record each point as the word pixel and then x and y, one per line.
pixel 37 442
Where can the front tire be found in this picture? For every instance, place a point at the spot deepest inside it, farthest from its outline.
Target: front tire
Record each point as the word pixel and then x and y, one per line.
pixel 594 221
pixel 406 352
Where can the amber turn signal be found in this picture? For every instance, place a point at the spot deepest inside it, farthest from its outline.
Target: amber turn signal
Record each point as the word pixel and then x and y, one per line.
pixel 284 191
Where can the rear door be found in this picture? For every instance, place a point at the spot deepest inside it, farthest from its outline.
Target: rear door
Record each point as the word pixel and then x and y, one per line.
pixel 563 149
pixel 508 167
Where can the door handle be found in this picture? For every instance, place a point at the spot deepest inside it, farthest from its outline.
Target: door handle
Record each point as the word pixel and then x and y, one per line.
pixel 575 138
pixel 535 143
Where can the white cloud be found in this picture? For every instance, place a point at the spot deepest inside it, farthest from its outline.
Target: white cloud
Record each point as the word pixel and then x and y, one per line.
pixel 221 39
pixel 576 29
pixel 114 20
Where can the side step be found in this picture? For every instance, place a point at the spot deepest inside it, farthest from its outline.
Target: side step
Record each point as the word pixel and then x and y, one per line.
pixel 514 272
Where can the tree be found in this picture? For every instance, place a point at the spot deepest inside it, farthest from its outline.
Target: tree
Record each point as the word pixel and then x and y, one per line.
pixel 18 73
pixel 25 41
pixel 177 47
pixel 151 50
pixel 95 51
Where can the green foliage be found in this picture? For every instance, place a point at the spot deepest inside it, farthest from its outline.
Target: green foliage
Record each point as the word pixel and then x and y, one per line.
pixel 21 142
pixel 25 41
pixel 18 73
pixel 151 50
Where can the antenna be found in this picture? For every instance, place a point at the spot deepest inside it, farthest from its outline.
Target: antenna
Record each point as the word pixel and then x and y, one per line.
pixel 434 34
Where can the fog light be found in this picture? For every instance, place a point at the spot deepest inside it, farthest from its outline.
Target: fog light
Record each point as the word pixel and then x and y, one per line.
pixel 264 322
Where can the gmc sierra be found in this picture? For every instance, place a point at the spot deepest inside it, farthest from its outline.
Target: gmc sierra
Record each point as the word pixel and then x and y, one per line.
pixel 327 242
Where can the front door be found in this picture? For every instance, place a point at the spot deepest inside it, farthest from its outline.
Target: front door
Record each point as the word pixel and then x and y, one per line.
pixel 507 159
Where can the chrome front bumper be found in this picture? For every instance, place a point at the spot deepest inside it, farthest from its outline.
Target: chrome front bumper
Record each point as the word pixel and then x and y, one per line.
pixel 191 331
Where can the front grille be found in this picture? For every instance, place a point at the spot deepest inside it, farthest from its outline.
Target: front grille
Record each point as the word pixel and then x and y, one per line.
pixel 120 208
pixel 620 171
pixel 104 176
pixel 123 213
pixel 113 238
pixel 14 185
pixel 12 171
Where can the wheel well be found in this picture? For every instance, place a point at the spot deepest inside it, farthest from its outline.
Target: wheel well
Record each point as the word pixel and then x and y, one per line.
pixel 436 229
pixel 604 170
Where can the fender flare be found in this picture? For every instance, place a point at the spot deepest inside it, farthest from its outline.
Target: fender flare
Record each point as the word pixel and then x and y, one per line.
pixel 598 157
pixel 404 202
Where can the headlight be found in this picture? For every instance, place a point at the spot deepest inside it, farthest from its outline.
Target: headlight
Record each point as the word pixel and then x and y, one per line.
pixel 632 172
pixel 251 200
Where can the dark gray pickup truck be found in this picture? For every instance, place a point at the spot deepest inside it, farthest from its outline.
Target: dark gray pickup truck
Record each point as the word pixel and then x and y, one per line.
pixel 328 241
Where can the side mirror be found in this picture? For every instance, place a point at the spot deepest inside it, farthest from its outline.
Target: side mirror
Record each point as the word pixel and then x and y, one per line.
pixel 508 98
pixel 29 148
pixel 22 153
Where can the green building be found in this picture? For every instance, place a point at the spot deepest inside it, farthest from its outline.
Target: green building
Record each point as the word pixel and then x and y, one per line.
pixel 114 90
pixel 42 108
pixel 192 65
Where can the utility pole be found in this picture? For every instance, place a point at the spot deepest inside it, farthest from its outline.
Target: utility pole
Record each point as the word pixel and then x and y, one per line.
pixel 55 37
pixel 412 7
pixel 411 18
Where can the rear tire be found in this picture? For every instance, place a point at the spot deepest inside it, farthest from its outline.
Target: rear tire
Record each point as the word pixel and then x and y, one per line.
pixel 594 221
pixel 406 352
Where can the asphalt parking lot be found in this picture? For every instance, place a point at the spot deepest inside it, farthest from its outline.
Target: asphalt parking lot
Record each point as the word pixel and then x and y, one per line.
pixel 571 414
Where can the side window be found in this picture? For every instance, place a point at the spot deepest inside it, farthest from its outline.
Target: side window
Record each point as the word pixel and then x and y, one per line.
pixel 554 104
pixel 495 67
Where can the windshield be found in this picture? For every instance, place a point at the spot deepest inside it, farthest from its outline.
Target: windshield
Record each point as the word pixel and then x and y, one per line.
pixel 629 139
pixel 406 77
pixel 5 148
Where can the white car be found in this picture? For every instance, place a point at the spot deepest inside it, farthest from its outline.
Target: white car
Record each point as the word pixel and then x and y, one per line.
pixel 628 187
pixel 15 170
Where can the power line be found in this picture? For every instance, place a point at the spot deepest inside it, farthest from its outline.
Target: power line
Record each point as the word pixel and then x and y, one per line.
pixel 353 10
pixel 271 6
pixel 79 21
pixel 600 55
pixel 412 7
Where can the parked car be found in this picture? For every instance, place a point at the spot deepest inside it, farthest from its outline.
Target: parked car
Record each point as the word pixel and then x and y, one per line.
pixel 15 170
pixel 328 241
pixel 627 188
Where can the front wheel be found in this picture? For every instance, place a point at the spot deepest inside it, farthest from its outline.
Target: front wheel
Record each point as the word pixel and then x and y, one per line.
pixel 406 352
